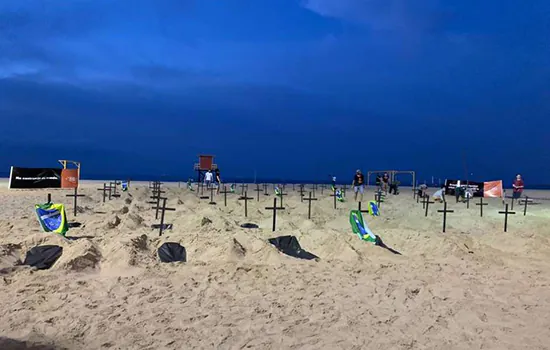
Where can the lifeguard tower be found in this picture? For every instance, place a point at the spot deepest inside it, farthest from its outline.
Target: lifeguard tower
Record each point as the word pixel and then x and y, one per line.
pixel 206 162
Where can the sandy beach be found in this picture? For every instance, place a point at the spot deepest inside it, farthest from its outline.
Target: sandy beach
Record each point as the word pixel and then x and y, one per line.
pixel 473 287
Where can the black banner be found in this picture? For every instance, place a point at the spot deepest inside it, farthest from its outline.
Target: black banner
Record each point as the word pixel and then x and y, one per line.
pixel 35 177
pixel 476 188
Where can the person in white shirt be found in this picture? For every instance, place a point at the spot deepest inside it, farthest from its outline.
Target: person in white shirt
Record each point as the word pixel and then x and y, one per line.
pixel 208 178
pixel 439 196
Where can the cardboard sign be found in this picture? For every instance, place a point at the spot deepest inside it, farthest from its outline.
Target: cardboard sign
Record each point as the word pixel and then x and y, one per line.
pixel 69 178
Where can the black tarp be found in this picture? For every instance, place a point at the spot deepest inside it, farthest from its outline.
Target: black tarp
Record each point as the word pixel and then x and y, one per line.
pixel 43 256
pixel 289 245
pixel 249 225
pixel 172 252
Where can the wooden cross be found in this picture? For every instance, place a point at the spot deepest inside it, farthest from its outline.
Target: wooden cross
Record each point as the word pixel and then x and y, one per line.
pixel 512 206
pixel 506 213
pixel 212 196
pixel 275 208
pixel 225 192
pixel 481 204
pixel 282 194
pixel 426 203
pixel 258 190
pixel 105 189
pixel 334 195
pixel 113 186
pixel 50 198
pixel 265 190
pixel 75 195
pixel 525 205
pixel 201 188
pixel 344 188
pixel 313 188
pixel 243 186
pixel 309 199
pixel 359 208
pixel 163 209
pixel 301 193
pixel 156 200
pixel 445 211
pixel 294 187
pixel 245 198
pixel 323 186
pixel 414 192
pixel 378 198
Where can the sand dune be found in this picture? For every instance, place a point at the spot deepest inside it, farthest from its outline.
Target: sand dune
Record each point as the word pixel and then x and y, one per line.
pixel 473 287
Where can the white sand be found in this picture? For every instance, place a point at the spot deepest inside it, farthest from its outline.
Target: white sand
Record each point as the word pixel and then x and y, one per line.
pixel 474 287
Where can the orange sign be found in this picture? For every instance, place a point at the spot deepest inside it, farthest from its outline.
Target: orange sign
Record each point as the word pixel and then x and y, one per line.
pixel 69 178
pixel 492 189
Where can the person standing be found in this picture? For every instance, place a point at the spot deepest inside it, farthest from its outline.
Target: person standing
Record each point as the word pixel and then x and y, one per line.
pixel 218 180
pixel 518 186
pixel 208 178
pixel 385 182
pixel 358 184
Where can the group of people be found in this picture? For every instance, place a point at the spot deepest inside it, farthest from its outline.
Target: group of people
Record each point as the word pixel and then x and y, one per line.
pixel 209 180
pixel 463 193
pixel 384 183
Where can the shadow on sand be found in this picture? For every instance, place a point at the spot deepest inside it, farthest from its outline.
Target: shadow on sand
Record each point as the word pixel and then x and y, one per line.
pixel 13 344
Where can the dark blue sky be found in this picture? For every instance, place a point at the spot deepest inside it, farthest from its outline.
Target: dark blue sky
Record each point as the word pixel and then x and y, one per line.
pixel 290 88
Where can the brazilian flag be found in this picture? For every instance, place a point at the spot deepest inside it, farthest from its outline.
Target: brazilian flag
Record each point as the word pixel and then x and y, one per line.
pixel 52 217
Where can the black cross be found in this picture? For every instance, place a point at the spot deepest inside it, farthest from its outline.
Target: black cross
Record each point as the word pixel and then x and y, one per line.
pixel 105 189
pixel 481 204
pixel 445 211
pixel 414 192
pixel 426 203
pixel 309 199
pixel 75 195
pixel 344 188
pixel 265 190
pixel 113 186
pixel 301 193
pixel 258 190
pixel 417 197
pixel 275 208
pixel 322 188
pixel 201 188
pixel 225 192
pixel 313 188
pixel 212 196
pixel 378 198
pixel 506 213
pixel 50 198
pixel 243 186
pixel 156 200
pixel 359 208
pixel 525 205
pixel 245 198
pixel 294 187
pixel 512 206
pixel 155 185
pixel 282 194
pixel 163 209
pixel 334 195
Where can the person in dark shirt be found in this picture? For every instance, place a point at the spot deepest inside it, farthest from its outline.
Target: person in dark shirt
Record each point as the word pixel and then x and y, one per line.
pixel 385 182
pixel 518 186
pixel 218 180
pixel 358 184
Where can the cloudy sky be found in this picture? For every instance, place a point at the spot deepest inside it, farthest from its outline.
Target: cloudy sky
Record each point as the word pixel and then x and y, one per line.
pixel 290 88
